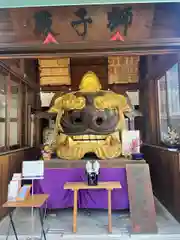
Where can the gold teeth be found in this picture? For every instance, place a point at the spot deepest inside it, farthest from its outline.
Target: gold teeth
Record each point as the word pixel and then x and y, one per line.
pixel 89 137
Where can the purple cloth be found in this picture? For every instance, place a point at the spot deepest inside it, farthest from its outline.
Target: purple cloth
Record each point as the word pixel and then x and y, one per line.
pixel 54 180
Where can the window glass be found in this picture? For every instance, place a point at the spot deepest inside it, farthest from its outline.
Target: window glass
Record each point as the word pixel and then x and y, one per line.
pixel 13 108
pixel 169 102
pixel 162 100
pixel 173 97
pixel 2 109
pixel 14 123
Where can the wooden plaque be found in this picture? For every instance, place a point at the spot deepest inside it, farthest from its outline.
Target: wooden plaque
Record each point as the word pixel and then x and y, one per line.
pixel 61 62
pixel 62 71
pixel 123 69
pixel 55 71
pixel 141 200
pixel 55 80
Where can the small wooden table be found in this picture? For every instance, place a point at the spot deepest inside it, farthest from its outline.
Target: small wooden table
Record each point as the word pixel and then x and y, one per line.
pixel 35 201
pixel 75 186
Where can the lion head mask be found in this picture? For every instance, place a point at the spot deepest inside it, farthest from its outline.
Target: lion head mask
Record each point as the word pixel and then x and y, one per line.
pixel 89 121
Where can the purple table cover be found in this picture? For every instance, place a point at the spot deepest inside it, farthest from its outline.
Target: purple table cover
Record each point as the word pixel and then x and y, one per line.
pixel 54 180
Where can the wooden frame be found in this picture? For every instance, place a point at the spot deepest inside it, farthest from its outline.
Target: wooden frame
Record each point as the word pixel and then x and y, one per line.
pixel 12 76
pixel 167 104
pixel 156 67
pixel 149 48
pixel 28 124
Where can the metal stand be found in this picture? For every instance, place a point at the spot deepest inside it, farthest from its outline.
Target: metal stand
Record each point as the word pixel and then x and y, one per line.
pixel 42 217
pixel 32 170
pixel 33 217
pixel 12 224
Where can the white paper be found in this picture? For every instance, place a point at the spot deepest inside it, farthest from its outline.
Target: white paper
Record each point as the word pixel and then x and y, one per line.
pixel 13 189
pixel 92 166
pixel 46 98
pixel 33 169
pixel 17 176
pixel 134 97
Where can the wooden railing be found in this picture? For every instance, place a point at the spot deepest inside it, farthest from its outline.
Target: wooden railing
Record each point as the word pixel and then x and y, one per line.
pixel 165 174
pixel 11 163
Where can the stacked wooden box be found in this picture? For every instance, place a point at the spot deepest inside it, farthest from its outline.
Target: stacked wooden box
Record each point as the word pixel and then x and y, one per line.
pixel 55 71
pixel 123 69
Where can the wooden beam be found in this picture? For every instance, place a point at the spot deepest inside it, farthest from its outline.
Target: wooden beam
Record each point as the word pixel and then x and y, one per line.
pixel 125 49
pixel 113 163
pixel 56 3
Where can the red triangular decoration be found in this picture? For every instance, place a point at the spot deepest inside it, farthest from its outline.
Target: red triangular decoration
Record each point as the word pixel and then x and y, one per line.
pixel 50 39
pixel 117 37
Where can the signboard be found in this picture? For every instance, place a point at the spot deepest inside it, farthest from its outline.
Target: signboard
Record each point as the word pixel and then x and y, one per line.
pixel 33 169
pixel 121 26
pixel 54 26
pixel 141 200
pixel 46 3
